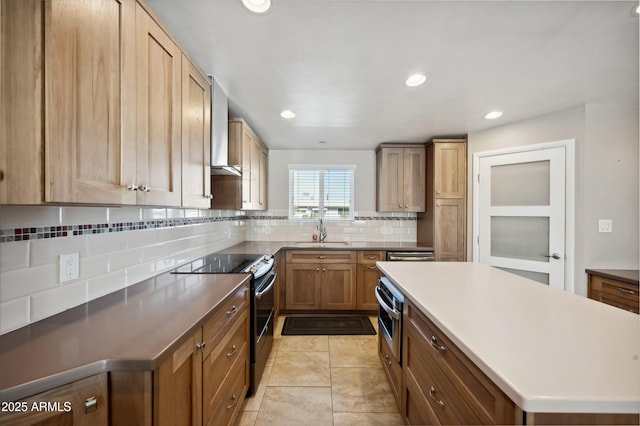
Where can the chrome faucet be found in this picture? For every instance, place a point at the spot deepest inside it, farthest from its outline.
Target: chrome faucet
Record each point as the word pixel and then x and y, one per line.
pixel 323 232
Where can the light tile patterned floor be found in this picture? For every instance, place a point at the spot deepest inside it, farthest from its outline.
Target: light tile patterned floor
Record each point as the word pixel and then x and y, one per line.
pixel 322 381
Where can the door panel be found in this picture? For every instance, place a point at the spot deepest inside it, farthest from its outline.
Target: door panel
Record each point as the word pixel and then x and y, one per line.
pixel 522 213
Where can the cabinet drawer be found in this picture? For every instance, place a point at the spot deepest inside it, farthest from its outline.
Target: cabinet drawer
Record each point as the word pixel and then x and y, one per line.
pixel 441 395
pixel 392 369
pixel 613 300
pixel 486 400
pixel 216 327
pixel 416 409
pixel 326 256
pixel 371 257
pixel 221 409
pixel 232 347
pixel 617 289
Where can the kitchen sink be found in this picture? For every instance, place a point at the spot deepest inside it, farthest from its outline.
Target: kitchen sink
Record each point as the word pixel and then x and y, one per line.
pixel 323 244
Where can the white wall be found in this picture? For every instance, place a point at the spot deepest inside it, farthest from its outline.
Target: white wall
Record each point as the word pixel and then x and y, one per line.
pixel 607 182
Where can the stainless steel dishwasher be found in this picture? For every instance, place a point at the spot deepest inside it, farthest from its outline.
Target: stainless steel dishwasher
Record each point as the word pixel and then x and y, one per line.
pixel 411 256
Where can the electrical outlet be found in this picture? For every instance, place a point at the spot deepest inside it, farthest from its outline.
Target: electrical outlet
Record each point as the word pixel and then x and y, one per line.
pixel 605 225
pixel 69 267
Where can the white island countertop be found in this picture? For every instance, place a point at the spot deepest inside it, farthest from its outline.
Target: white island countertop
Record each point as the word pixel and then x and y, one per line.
pixel 548 350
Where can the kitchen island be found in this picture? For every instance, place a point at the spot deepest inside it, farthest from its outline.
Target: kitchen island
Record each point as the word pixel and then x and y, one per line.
pixel 549 351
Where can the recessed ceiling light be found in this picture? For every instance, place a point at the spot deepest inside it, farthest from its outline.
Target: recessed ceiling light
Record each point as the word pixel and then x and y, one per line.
pixel 416 80
pixel 257 6
pixel 288 114
pixel 493 115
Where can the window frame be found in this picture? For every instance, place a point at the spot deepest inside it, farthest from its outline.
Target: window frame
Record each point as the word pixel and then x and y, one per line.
pixel 322 168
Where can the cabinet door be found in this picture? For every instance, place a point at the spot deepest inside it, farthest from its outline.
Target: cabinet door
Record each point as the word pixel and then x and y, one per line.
pixel 367 280
pixel 390 175
pixel 196 137
pixel 89 101
pixel 158 114
pixel 450 169
pixel 303 286
pixel 449 241
pixel 414 170
pixel 256 153
pixel 263 178
pixel 21 107
pixel 338 286
pixel 177 393
pixel 247 150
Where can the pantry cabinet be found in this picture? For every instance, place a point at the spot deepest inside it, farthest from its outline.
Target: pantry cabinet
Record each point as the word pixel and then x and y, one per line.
pixel 92 100
pixel 320 280
pixel 80 403
pixel 400 178
pixel 248 153
pixel 443 223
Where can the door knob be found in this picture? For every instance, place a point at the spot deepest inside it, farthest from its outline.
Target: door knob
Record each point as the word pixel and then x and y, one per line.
pixel 555 256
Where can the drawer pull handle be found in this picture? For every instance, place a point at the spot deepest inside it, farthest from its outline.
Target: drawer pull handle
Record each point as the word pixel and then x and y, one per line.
pixel 434 344
pixel 372 267
pixel 624 290
pixel 432 392
pixel 322 257
pixel 372 257
pixel 232 311
pixel 234 398
pixel 200 345
pixel 234 349
pixel 90 404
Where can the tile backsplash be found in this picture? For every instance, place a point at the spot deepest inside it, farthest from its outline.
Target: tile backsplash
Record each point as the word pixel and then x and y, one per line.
pixel 121 246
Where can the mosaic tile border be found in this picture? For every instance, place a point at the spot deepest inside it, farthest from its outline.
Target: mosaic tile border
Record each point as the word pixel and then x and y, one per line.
pixel 44 232
pixel 355 218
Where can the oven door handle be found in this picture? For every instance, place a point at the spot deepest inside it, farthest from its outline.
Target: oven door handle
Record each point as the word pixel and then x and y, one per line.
pixel 388 309
pixel 268 288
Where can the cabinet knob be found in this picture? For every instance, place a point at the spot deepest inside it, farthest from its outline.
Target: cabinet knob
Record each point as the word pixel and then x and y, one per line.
pixel 144 188
pixel 438 192
pixel 406 206
pixel 200 345
pixel 324 269
pixel 400 205
pixel 90 404
pixel 132 187
pixel 318 269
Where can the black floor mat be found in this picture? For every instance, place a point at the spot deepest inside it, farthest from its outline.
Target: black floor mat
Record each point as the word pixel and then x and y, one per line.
pixel 334 326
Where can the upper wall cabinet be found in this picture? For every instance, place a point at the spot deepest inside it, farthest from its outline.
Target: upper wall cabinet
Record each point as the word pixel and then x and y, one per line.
pixel 158 130
pixel 400 178
pixel 196 137
pixel 92 104
pixel 68 101
pixel 248 192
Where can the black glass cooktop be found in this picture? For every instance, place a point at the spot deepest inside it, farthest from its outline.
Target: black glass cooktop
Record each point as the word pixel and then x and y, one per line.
pixel 218 264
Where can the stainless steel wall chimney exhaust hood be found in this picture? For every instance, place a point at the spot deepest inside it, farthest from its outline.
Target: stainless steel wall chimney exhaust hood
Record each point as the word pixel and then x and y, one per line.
pixel 220 133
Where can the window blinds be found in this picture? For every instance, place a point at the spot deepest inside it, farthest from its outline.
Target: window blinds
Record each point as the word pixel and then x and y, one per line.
pixel 320 193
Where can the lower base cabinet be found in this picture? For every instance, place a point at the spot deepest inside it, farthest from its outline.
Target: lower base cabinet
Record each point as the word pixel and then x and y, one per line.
pixel 392 368
pixel 83 402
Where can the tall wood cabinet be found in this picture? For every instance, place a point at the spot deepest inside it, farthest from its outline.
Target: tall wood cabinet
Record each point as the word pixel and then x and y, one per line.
pixel 443 223
pixel 400 178
pixel 91 99
pixel 251 155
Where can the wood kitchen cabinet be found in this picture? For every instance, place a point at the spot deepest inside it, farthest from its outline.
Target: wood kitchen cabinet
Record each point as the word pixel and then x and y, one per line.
pixel 91 95
pixel 83 403
pixel 400 178
pixel 204 380
pixel 320 280
pixel 440 384
pixel 617 288
pixel 68 102
pixel 250 154
pixel 196 137
pixel 367 279
pixel 443 223
pixel 158 114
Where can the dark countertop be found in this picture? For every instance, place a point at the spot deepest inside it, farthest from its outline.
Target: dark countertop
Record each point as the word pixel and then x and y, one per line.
pixel 132 329
pixel 629 276
pixel 272 247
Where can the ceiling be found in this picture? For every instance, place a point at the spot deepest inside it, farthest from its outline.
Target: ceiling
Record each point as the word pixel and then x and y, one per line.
pixel 341 65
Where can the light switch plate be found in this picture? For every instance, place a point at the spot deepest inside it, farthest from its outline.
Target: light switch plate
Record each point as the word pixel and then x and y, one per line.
pixel 605 225
pixel 69 267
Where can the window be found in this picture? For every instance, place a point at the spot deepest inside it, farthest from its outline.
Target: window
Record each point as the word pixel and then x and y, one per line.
pixel 321 192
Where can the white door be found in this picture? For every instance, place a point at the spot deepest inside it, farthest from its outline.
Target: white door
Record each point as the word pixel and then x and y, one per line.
pixel 521 218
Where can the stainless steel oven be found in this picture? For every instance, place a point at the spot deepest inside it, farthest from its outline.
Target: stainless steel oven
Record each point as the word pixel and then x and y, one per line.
pixel 262 299
pixel 390 301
